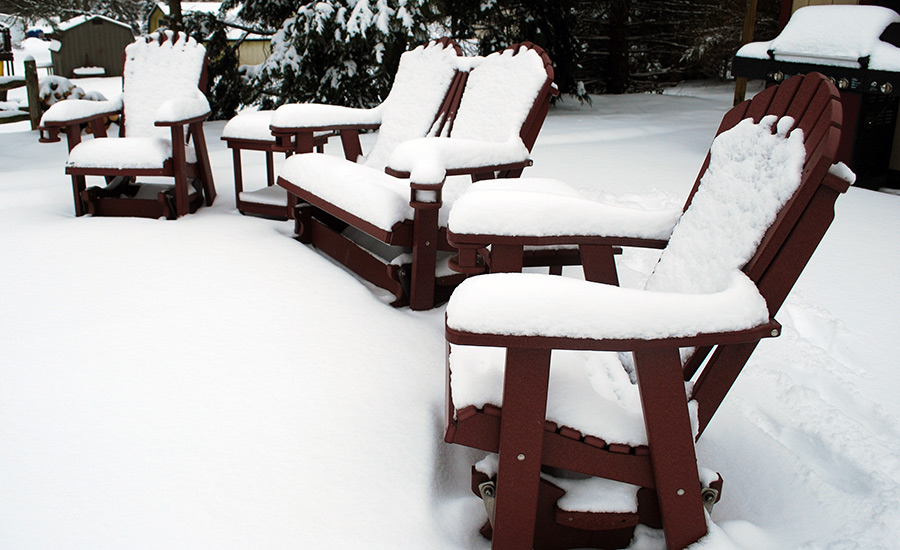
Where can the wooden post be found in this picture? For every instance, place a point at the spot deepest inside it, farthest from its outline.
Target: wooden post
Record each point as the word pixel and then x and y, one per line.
pixel 740 85
pixel 33 91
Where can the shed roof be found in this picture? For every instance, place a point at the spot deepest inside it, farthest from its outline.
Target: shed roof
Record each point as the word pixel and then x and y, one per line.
pixel 81 19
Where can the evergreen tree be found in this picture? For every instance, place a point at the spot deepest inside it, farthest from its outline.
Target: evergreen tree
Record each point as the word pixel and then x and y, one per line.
pixel 495 24
pixel 224 81
pixel 333 51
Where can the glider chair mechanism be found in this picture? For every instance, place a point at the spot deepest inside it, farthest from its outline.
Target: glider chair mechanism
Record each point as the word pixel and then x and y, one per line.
pixel 384 218
pixel 160 135
pixel 592 441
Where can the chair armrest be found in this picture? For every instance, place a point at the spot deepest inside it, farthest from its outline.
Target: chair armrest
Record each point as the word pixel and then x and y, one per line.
pixel 297 117
pixel 428 161
pixel 76 111
pixel 539 211
pixel 182 110
pixel 541 311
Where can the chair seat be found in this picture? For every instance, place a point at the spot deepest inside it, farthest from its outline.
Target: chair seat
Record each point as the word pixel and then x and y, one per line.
pixel 546 207
pixel 369 194
pixel 125 153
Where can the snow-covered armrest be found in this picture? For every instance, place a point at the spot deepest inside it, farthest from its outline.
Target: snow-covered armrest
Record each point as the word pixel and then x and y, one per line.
pixel 76 111
pixel 535 305
pixel 317 116
pixel 182 110
pixel 427 161
pixel 539 208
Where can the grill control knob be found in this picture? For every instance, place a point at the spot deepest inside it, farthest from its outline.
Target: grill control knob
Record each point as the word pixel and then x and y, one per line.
pixel 778 76
pixel 887 88
pixel 843 84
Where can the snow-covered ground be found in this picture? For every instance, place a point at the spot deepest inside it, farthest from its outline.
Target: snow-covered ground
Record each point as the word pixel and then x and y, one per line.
pixel 211 383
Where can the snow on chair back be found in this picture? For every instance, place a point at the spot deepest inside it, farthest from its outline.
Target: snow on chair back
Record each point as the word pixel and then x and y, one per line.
pixel 420 87
pixel 163 66
pixel 754 169
pixel 500 95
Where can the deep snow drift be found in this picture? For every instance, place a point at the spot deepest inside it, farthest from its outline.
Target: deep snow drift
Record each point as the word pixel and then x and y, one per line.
pixel 211 383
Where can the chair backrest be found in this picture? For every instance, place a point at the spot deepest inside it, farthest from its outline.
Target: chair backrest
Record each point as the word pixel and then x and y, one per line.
pixel 783 220
pixel 159 67
pixel 421 87
pixel 762 174
pixel 506 95
pixel 754 169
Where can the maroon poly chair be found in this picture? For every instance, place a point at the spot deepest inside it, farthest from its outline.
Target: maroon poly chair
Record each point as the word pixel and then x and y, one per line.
pixel 161 134
pixel 385 220
pixel 724 273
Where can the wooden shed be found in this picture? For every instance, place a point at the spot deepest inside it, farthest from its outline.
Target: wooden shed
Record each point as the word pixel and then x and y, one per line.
pixel 91 41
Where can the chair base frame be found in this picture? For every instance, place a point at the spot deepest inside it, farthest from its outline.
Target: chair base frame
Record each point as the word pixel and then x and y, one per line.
pixel 316 227
pixel 118 200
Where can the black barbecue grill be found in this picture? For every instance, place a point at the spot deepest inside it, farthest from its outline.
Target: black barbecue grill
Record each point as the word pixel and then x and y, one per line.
pixel 870 94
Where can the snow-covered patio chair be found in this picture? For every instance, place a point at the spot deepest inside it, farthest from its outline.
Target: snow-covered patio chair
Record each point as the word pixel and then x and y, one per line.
pixel 384 219
pixel 425 85
pixel 593 442
pixel 163 108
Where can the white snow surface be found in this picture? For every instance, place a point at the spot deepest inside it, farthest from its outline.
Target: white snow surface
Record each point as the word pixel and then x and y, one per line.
pixel 211 383
pixel 428 159
pixel 73 109
pixel 190 106
pixel 249 124
pixel 121 153
pixel 833 35
pixel 499 94
pixel 754 169
pixel 81 19
pixel 316 115
pixel 568 308
pixel 549 207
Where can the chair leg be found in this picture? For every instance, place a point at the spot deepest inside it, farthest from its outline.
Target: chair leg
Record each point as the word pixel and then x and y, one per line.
pixel 78 185
pixel 238 174
pixel 521 440
pixel 671 442
pixel 506 258
pixel 599 264
pixel 209 187
pixel 179 165
pixel 424 250
pixel 270 168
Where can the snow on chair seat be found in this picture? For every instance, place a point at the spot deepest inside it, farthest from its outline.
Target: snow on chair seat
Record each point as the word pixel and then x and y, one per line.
pixel 164 108
pixel 501 109
pixel 530 376
pixel 120 154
